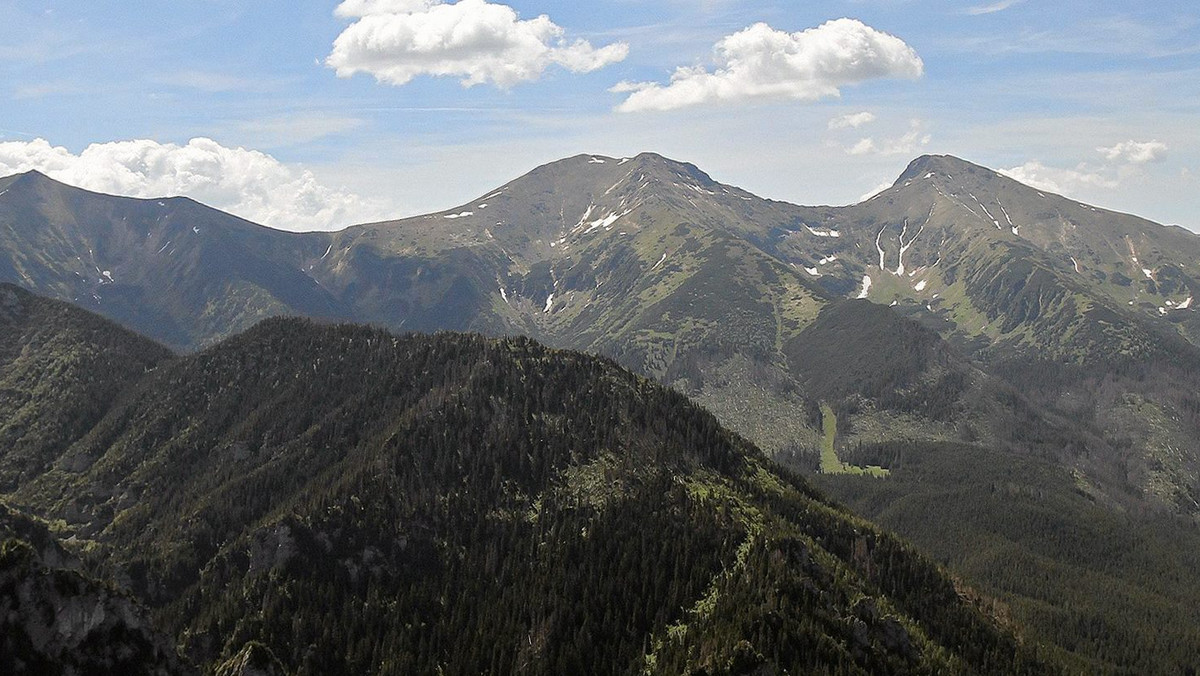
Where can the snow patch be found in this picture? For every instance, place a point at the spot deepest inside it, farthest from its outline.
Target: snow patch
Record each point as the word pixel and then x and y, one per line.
pixel 879 247
pixel 504 294
pixel 108 275
pixel 866 286
pixel 823 232
pixel 196 229
pixel 1149 273
pixel 920 286
pixel 1185 304
pixel 985 210
pixel 327 251
pixel 462 215
pixel 813 271
pixel 1076 265
pixel 927 176
pixel 607 221
pixel 660 262
pixel 549 303
pixel 585 216
pixel 827 260
pixel 595 160
pixel 623 161
pixel 482 206
pixel 905 247
pixel 164 247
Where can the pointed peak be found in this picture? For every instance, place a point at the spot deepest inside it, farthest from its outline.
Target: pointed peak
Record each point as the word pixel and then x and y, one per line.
pixel 35 176
pixel 32 179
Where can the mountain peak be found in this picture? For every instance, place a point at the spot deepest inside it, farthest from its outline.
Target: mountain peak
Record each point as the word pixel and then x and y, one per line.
pixel 31 177
pixel 946 165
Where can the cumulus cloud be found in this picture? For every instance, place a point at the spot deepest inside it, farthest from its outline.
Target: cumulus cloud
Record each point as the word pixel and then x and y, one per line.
pixel 478 41
pixel 248 183
pixel 852 120
pixel 761 63
pixel 1122 161
pixel 1135 152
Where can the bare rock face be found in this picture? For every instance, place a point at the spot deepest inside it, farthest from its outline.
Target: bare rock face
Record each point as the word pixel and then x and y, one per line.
pixel 254 659
pixel 54 620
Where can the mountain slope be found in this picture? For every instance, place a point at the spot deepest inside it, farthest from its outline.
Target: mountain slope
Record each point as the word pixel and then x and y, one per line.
pixel 643 259
pixel 58 620
pixel 1114 592
pixel 1010 268
pixel 358 501
pixel 173 269
pixel 60 370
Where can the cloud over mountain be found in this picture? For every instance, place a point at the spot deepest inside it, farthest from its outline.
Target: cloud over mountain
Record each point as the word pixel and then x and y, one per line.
pixel 762 63
pixel 1122 161
pixel 248 183
pixel 478 41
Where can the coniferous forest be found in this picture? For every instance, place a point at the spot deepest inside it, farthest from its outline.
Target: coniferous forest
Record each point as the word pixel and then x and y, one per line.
pixel 327 499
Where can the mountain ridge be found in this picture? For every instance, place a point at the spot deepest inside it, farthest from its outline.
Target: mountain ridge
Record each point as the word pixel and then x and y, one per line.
pixel 343 499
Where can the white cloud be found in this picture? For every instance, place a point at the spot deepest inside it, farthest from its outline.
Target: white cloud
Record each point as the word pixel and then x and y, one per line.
pixel 992 8
pixel 248 183
pixel 908 144
pixel 761 63
pixel 1123 161
pixel 865 146
pixel 1134 152
pixel 475 40
pixel 1060 180
pixel 351 9
pixel 852 120
pixel 878 189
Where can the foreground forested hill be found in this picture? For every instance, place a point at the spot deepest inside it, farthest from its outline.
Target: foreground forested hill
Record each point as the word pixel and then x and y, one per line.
pixel 345 500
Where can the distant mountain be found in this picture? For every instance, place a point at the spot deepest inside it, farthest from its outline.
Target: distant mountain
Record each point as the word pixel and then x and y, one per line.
pixel 1006 268
pixel 172 269
pixel 339 499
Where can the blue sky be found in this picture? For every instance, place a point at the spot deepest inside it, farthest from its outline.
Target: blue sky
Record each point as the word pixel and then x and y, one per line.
pixel 1098 100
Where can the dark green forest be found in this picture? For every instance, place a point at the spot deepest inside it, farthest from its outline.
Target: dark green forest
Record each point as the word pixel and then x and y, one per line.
pixel 344 500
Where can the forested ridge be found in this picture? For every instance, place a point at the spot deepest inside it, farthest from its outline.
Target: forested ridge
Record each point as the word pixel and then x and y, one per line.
pixel 346 500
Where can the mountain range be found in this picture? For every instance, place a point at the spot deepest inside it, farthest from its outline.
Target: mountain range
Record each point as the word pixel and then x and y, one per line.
pixel 978 340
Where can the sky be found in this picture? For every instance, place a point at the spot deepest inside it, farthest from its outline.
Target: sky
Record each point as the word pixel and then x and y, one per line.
pixel 303 114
